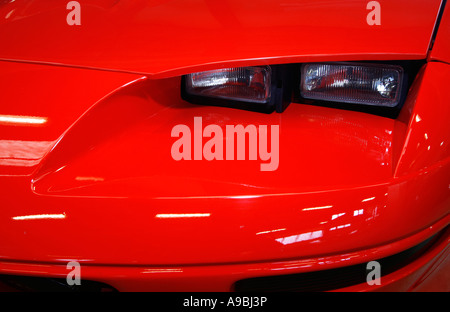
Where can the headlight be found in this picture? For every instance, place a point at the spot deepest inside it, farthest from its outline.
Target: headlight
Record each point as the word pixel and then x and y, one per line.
pixel 255 88
pixel 372 87
pixel 247 84
pixel 367 84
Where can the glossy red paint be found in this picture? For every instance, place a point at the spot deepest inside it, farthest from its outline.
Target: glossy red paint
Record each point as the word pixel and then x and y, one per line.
pixel 56 95
pixel 317 188
pixel 93 179
pixel 141 36
pixel 221 277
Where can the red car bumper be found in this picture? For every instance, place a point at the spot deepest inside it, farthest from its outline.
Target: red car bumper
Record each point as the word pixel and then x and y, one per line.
pixel 427 272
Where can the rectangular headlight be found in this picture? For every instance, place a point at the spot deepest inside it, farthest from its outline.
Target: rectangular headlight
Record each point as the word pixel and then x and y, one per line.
pixel 246 84
pixel 357 83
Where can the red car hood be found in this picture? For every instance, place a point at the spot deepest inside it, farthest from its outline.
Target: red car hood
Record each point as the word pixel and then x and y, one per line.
pixel 172 37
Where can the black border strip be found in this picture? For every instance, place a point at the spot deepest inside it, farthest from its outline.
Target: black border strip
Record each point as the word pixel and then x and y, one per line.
pixel 335 279
pixel 436 26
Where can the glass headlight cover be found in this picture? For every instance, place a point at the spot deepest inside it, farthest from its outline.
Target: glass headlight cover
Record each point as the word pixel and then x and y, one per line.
pixel 247 84
pixel 357 83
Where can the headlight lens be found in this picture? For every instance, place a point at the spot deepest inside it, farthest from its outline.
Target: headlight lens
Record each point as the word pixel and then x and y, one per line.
pixel 247 84
pixel 368 84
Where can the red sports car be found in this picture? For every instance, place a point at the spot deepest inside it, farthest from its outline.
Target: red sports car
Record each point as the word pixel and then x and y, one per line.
pixel 258 145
